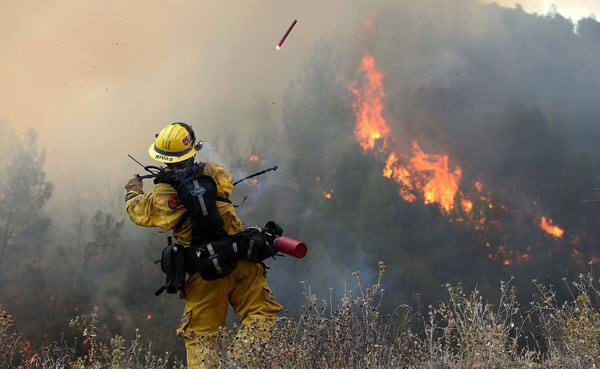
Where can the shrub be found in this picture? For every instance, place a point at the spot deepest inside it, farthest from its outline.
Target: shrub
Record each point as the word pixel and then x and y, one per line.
pixel 464 331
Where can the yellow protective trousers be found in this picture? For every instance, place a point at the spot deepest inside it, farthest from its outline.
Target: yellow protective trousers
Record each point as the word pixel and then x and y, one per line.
pixel 206 304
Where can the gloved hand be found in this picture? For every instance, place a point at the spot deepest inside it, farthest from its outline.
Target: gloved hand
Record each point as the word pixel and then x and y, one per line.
pixel 134 184
pixel 274 228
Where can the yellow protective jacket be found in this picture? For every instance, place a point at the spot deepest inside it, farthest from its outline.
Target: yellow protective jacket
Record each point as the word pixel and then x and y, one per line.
pixel 160 206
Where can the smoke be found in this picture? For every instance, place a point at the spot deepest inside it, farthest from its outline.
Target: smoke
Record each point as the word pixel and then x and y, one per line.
pixel 96 81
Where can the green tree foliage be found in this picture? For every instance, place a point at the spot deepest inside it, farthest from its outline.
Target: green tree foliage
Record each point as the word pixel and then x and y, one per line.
pixel 106 234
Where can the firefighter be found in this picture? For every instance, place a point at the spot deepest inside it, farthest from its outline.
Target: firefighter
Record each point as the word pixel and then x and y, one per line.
pixel 206 302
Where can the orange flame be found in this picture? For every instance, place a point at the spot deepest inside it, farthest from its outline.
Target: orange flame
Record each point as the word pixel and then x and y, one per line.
pixel 149 316
pixel 427 175
pixel 508 257
pixel 368 105
pixel 423 175
pixel 467 205
pixel 254 158
pixel 328 194
pixel 553 230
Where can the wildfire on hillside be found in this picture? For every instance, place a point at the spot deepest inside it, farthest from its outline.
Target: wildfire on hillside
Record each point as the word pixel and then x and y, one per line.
pixel 421 175
pixel 430 178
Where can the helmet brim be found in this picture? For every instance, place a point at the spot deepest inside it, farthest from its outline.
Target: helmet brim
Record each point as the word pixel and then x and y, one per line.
pixel 170 158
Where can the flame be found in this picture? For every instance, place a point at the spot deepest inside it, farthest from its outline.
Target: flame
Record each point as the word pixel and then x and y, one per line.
pixel 508 257
pixel 430 178
pixel 422 175
pixel 254 180
pixel 149 316
pixel 328 194
pixel 427 175
pixel 368 105
pixel 467 205
pixel 521 257
pixel 254 158
pixel 553 230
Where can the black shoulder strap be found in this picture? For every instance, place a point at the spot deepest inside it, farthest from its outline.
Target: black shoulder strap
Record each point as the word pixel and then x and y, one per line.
pixel 186 215
pixel 218 198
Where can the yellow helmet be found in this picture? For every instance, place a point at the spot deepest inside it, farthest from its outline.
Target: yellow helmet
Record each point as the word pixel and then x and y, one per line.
pixel 174 143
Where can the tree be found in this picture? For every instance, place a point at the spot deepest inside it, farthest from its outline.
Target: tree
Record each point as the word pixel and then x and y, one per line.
pixel 317 116
pixel 106 236
pixel 24 190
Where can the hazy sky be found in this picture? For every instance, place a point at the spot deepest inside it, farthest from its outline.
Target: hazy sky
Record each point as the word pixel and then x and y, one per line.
pixel 98 79
pixel 574 9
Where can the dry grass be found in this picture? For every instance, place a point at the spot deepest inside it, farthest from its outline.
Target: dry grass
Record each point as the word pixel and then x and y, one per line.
pixel 462 332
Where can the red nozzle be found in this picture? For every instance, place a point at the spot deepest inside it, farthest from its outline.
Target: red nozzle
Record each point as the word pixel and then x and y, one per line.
pixel 291 247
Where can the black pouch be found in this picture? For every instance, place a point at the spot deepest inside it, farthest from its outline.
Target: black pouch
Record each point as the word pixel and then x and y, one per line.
pixel 256 245
pixel 212 260
pixel 172 263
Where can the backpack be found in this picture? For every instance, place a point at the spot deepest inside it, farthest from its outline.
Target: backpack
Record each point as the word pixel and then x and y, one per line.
pixel 209 252
pixel 212 252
